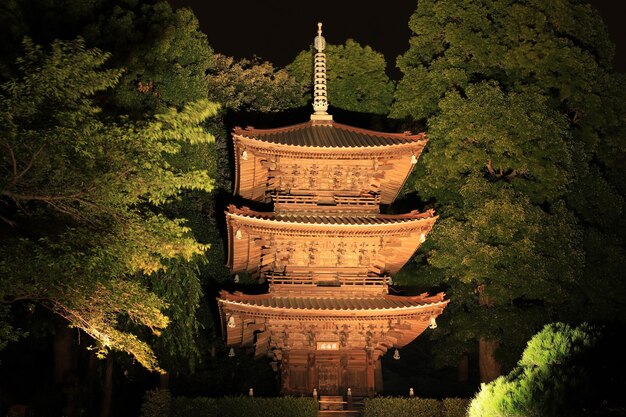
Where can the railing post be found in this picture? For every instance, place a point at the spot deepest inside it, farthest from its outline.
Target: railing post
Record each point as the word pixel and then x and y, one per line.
pixel 349 398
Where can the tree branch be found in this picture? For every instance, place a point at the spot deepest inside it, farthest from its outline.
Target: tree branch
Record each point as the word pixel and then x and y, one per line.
pixel 13 160
pixel 28 166
pixel 7 221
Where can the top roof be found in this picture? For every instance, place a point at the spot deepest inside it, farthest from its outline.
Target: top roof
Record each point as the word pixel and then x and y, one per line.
pixel 328 134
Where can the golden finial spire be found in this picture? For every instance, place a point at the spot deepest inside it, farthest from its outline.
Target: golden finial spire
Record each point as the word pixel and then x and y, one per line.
pixel 320 99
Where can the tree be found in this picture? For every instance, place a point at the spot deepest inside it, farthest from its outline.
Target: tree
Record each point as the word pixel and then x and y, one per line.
pixel 246 85
pixel 556 376
pixel 167 62
pixel 83 195
pixel 520 102
pixel 356 77
pixel 163 52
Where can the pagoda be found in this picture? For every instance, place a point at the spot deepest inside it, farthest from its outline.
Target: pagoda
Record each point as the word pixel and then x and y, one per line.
pixel 326 251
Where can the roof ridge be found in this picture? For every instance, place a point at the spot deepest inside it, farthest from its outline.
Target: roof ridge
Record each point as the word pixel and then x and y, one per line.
pixel 247 212
pixel 406 135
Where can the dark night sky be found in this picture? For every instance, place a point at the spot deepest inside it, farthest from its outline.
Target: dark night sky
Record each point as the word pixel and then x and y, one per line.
pixel 276 30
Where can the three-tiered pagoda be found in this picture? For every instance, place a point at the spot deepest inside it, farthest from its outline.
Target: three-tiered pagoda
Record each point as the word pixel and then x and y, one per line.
pixel 326 251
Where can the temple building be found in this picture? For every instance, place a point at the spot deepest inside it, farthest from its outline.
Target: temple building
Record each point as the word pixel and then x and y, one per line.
pixel 326 251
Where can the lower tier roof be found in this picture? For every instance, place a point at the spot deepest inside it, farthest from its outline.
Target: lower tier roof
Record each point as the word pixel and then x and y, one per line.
pixel 301 303
pixel 330 219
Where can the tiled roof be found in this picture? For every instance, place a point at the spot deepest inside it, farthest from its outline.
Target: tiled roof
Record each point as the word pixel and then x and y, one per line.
pixel 331 219
pixel 328 134
pixel 380 303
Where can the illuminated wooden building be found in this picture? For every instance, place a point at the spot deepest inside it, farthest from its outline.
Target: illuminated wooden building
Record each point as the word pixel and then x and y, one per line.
pixel 326 251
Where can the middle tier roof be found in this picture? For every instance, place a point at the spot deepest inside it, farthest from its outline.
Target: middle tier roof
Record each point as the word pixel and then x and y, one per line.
pixel 264 243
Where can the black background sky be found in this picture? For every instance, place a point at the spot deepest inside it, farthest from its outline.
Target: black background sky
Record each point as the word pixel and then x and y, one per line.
pixel 276 30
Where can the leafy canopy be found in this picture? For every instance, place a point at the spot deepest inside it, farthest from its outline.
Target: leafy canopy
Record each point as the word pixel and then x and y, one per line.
pixel 524 115
pixel 356 77
pixel 82 195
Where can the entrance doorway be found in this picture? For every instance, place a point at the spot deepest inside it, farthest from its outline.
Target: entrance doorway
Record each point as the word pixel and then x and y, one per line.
pixel 328 380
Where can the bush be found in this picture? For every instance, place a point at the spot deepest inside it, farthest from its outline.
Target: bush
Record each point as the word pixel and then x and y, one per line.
pixel 403 407
pixel 455 407
pixel 305 407
pixel 156 403
pixel 551 379
pixel 244 407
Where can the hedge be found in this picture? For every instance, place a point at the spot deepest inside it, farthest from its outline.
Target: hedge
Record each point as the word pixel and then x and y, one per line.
pixel 244 407
pixel 159 403
pixel 415 407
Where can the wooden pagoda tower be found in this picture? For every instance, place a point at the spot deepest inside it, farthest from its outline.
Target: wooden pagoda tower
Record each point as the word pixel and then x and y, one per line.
pixel 326 251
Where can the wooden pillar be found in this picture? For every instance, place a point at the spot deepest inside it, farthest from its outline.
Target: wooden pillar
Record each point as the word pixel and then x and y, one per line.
pixel 343 375
pixel 370 372
pixel 312 372
pixel 378 376
pixel 284 373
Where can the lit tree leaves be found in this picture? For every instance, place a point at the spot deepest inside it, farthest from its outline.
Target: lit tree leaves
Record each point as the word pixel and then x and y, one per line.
pixel 514 138
pixel 554 377
pixel 525 119
pixel 252 86
pixel 82 196
pixel 356 77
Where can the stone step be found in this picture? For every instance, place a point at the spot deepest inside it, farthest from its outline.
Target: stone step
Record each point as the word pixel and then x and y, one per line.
pixel 339 413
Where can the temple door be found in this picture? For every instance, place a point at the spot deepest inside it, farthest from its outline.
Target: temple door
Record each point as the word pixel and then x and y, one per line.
pixel 328 380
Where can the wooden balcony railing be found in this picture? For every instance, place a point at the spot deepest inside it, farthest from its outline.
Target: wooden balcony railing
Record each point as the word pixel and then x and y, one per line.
pixel 326 280
pixel 352 203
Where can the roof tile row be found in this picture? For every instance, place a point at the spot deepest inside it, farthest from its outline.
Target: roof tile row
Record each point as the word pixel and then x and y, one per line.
pixel 379 302
pixel 327 135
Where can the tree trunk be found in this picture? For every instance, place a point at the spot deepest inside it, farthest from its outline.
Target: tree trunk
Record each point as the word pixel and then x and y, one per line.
pixel 488 366
pixel 463 369
pixel 107 390
pixel 65 368
pixel 164 381
pixel 63 365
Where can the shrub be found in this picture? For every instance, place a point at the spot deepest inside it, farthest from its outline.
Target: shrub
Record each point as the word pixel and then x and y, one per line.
pixel 156 403
pixel 402 407
pixel 194 407
pixel 551 379
pixel 455 407
pixel 244 407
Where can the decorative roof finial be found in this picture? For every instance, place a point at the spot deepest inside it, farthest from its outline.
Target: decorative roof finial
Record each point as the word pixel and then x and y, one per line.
pixel 320 42
pixel 320 99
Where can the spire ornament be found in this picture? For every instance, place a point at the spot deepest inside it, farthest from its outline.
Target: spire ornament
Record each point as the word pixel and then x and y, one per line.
pixel 320 98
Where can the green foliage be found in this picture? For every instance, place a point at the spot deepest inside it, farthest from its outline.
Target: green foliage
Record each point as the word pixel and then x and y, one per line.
pixel 164 53
pixel 156 403
pixel 415 407
pixel 455 407
pixel 195 407
pixel 82 193
pixel 252 86
pixel 356 77
pixel 8 333
pixel 551 378
pixel 512 138
pixel 522 107
pixel 178 285
pixel 244 407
